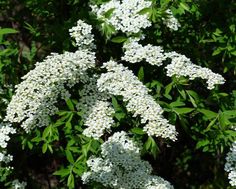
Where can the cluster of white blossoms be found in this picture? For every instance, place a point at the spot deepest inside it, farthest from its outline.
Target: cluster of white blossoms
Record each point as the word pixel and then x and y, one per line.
pixel 182 66
pixel 82 33
pixel 96 110
pixel 171 22
pixel 135 52
pixel 125 15
pixel 118 80
pixel 16 184
pixel 120 166
pixel 36 96
pixel 230 165
pixel 4 157
pixel 5 131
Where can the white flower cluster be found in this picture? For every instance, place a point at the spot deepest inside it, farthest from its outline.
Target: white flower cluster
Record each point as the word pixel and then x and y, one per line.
pixel 182 66
pixel 135 52
pixel 16 184
pixel 36 95
pixel 96 110
pixel 171 22
pixel 125 15
pixel 4 157
pixel 121 81
pixel 120 166
pixel 230 165
pixel 82 33
pixel 5 130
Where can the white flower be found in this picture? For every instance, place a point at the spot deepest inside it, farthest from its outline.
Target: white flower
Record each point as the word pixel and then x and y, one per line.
pixel 36 96
pixel 6 158
pixel 5 131
pixel 182 66
pixel 125 16
pixel 230 165
pixel 121 81
pixel 82 33
pixel 16 184
pixel 121 167
pixel 95 108
pixel 171 22
pixel 135 52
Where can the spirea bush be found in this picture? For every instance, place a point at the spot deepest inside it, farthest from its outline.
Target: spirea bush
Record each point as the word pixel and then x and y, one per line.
pixel 104 114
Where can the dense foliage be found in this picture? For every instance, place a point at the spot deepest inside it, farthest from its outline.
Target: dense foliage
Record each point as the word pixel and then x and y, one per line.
pixel 55 156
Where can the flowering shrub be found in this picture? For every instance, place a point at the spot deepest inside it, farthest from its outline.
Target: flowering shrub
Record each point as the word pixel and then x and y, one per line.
pixel 99 115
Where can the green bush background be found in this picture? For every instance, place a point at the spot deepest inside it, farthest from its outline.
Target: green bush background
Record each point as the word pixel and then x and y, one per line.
pixel 203 118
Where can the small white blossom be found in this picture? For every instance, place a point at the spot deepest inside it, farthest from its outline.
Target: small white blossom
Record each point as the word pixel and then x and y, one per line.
pixel 121 167
pixel 171 22
pixel 6 158
pixel 230 165
pixel 16 184
pixel 182 66
pixel 5 131
pixel 36 96
pixel 96 110
pixel 82 33
pixel 121 81
pixel 135 52
pixel 125 16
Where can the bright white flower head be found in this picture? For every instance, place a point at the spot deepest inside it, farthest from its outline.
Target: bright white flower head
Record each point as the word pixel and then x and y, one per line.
pixel 230 165
pixel 96 110
pixel 4 157
pixel 82 33
pixel 171 22
pixel 182 66
pixel 125 15
pixel 135 52
pixel 179 66
pixel 121 81
pixel 121 167
pixel 5 131
pixel 36 95
pixel 16 184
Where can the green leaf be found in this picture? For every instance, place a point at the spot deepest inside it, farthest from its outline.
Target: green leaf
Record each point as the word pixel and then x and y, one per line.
pixel 69 156
pixel 138 131
pixel 208 113
pixel 4 31
pixel 108 30
pixel 30 145
pixel 185 6
pixel 70 105
pixel 145 11
pixel 183 110
pixel 115 104
pixel 108 13
pixel 217 51
pixel 151 146
pixel 47 131
pixel 71 181
pixel 120 115
pixel 177 103
pixel 62 172
pixel 141 74
pixel 44 148
pixel 202 143
pixel 119 39
pixel 192 100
